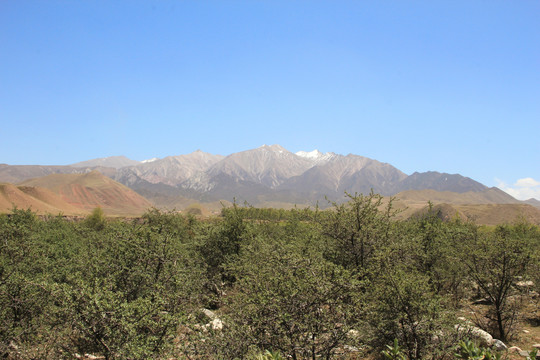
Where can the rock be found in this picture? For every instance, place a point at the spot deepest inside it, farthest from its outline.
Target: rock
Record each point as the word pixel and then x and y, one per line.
pixel 483 337
pixel 216 324
pixel 484 301
pixel 524 353
pixel 209 314
pixel 536 346
pixel 498 345
pixel 525 284
pixel 353 334
pixel 514 349
pixel 526 331
pixel 349 348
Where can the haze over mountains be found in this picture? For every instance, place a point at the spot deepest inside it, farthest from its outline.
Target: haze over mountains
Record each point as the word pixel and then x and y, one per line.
pixel 269 175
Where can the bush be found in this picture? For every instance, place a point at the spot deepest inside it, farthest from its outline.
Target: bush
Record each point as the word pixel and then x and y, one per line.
pixel 96 220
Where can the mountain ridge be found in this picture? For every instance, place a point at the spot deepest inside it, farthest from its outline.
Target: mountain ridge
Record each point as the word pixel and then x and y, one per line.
pixel 269 173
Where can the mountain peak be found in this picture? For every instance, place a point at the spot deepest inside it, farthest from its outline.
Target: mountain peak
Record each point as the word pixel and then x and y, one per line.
pixel 310 154
pixel 316 156
pixel 275 148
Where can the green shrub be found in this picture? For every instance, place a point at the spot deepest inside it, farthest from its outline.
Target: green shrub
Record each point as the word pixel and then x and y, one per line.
pixel 96 220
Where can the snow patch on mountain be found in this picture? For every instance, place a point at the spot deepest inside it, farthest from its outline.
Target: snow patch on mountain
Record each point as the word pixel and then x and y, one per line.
pixel 274 148
pixel 149 160
pixel 316 156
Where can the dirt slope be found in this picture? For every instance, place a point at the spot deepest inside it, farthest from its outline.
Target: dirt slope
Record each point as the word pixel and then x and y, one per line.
pixel 490 207
pixel 88 191
pixel 40 200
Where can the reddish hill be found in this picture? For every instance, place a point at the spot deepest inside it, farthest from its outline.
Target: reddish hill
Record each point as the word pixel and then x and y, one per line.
pixel 40 200
pixel 88 191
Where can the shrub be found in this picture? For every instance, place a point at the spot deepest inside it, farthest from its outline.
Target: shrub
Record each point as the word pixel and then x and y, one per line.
pixel 96 220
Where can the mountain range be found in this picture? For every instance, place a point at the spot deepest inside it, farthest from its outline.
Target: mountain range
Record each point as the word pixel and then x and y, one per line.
pixel 268 175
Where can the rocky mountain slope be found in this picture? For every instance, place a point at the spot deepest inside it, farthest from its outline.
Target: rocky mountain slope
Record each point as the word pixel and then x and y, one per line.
pixel 171 170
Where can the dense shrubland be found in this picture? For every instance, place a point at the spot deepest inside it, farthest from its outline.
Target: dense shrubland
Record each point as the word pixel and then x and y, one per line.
pixel 350 283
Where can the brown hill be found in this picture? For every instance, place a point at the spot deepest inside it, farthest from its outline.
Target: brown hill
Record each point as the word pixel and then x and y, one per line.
pixel 488 196
pixel 533 202
pixel 39 200
pixel 487 214
pixel 91 190
pixel 493 214
pixel 489 207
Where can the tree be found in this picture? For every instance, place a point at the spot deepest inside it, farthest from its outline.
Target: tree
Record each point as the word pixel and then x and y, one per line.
pixel 300 305
pixel 356 228
pixel 129 288
pixel 496 260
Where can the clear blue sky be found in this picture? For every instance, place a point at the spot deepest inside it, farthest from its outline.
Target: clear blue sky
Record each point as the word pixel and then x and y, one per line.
pixel 450 86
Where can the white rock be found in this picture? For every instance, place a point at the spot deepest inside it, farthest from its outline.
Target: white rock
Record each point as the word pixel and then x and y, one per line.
pixel 217 324
pixel 209 314
pixel 498 345
pixel 514 349
pixel 482 336
pixel 350 348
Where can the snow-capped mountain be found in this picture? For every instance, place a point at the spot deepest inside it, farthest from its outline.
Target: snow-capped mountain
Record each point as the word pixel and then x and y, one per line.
pixel 265 174
pixel 316 156
pixel 267 165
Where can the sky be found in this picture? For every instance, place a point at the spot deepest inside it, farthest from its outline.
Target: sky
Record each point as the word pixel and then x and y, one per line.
pixel 450 86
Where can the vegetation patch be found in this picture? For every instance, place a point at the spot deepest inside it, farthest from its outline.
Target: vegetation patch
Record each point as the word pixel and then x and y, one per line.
pixel 350 282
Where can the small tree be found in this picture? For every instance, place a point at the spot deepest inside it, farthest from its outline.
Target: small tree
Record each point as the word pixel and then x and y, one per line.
pixel 356 228
pixel 495 262
pixel 405 307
